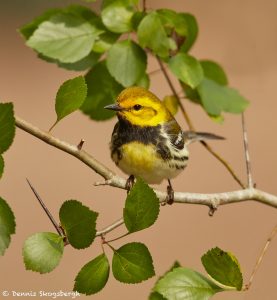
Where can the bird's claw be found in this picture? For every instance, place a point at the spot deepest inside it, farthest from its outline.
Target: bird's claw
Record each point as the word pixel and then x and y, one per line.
pixel 170 194
pixel 130 182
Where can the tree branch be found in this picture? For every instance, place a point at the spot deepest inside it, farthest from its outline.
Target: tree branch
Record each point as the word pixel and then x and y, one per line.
pixel 210 200
pixel 70 149
pixel 191 127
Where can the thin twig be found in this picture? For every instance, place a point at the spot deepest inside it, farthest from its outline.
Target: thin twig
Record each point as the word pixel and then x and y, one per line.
pixel 191 127
pixel 110 227
pixel 154 72
pixel 246 151
pixel 81 144
pixel 118 238
pixel 116 181
pixel 144 5
pixel 51 218
pixel 261 256
pixel 66 147
pixel 224 162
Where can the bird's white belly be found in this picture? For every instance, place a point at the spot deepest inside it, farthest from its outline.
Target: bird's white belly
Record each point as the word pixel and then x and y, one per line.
pixel 142 160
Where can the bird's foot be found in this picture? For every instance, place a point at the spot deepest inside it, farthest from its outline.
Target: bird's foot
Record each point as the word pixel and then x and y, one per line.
pixel 130 182
pixel 170 194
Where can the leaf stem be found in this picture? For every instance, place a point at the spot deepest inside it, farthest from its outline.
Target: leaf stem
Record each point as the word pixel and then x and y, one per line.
pixel 113 249
pixel 118 238
pixel 191 127
pixel 46 210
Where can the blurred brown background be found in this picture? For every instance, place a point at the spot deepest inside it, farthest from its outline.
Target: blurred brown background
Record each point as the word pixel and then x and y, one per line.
pixel 241 35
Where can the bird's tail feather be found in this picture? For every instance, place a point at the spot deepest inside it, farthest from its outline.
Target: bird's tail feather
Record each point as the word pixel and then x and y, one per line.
pixel 191 136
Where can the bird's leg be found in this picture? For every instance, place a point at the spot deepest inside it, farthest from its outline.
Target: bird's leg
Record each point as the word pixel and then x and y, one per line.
pixel 130 182
pixel 170 193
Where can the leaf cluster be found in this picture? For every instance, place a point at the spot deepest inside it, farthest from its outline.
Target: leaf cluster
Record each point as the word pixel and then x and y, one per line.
pixel 131 263
pixel 184 283
pixel 7 133
pixel 113 48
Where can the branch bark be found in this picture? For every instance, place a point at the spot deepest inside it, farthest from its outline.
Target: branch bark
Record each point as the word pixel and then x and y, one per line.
pixel 210 200
pixel 110 227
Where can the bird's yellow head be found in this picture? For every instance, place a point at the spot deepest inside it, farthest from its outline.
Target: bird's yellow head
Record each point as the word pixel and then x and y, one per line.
pixel 140 107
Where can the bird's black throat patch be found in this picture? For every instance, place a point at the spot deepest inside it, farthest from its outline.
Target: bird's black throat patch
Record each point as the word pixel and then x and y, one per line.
pixel 124 132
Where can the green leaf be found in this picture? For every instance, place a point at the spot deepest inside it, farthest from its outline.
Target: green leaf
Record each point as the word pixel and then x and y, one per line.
pixel 7 126
pixel 192 31
pixel 87 14
pixel 187 69
pixel 156 295
pixel 144 81
pixel 105 41
pixel 216 98
pixel 214 71
pixel 173 20
pixel 171 103
pixel 81 65
pixel 70 97
pixel 2 164
pixel 79 223
pixel 102 90
pixel 65 37
pixel 76 10
pixel 7 225
pixel 28 29
pixel 43 251
pixel 93 276
pixel 136 19
pixel 132 263
pixel 184 283
pixel 126 61
pixel 223 267
pixel 117 14
pixel 217 119
pixel 151 34
pixel 142 207
pixel 172 44
pixel 191 94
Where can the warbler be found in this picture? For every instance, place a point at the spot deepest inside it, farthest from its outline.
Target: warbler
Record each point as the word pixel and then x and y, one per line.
pixel 147 141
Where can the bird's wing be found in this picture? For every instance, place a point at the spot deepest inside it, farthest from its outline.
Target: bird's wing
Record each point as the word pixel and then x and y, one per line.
pixel 175 134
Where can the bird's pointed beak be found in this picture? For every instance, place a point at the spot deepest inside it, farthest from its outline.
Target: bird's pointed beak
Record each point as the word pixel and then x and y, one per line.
pixel 114 107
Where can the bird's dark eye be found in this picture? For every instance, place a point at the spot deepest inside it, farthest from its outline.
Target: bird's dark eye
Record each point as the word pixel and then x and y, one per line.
pixel 137 107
